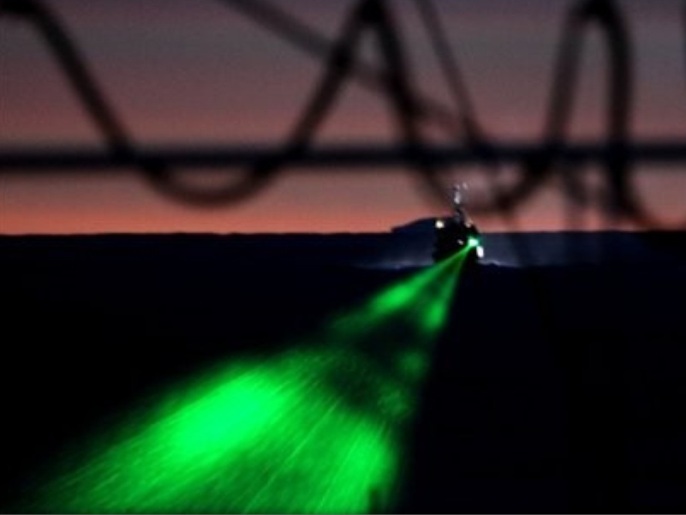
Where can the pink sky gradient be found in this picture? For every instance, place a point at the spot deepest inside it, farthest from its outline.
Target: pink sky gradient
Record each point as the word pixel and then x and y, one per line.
pixel 195 72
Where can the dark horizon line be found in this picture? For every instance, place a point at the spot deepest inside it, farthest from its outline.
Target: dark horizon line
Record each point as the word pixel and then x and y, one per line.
pixel 391 231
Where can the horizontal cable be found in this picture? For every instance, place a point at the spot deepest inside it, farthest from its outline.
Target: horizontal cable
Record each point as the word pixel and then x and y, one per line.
pixel 64 159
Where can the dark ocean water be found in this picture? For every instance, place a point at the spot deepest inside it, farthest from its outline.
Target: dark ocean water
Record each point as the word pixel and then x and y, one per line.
pixel 557 385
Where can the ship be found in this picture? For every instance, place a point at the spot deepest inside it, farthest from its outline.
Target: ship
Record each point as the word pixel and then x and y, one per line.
pixel 456 232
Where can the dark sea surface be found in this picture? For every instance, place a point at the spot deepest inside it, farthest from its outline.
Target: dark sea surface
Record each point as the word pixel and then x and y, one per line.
pixel 557 385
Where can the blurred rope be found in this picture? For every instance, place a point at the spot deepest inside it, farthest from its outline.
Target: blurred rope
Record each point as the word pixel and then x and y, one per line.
pixel 451 71
pixel 314 43
pixel 100 111
pixel 539 167
pixel 475 137
pixel 80 77
pixel 394 82
pixel 465 112
pixel 341 61
pixel 368 16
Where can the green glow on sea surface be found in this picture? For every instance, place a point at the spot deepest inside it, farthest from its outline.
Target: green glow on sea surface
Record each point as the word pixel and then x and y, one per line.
pixel 320 428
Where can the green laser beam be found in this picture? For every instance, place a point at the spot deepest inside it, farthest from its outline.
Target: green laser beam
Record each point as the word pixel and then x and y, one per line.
pixel 319 428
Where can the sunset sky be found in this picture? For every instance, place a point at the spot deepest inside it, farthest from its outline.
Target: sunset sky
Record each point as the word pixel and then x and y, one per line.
pixel 196 72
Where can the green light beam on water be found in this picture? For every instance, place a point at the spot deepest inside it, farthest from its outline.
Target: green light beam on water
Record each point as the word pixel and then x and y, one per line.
pixel 319 428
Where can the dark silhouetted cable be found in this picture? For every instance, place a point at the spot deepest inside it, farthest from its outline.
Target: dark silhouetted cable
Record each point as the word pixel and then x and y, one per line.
pixel 449 67
pixel 394 82
pixel 37 160
pixel 539 167
pixel 316 44
pixel 73 64
pixel 368 16
pixel 122 147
